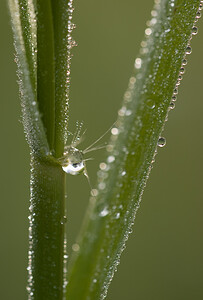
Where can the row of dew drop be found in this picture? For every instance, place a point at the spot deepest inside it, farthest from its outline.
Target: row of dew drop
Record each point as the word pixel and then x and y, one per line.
pixel 138 63
pixel 104 167
pixel 188 50
pixel 70 41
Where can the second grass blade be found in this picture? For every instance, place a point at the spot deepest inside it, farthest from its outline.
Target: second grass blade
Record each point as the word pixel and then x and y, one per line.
pixel 122 178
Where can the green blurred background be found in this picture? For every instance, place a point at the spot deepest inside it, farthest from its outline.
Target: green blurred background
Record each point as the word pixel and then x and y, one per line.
pixel 163 258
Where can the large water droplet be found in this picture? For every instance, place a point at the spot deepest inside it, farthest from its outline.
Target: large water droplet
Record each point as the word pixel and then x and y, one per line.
pixel 161 142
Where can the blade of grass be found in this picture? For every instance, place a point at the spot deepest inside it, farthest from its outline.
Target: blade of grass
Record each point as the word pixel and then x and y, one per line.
pixel 24 28
pixel 122 178
pixel 35 30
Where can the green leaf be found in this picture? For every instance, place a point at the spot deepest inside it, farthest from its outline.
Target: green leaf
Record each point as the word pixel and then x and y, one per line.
pixel 152 91
pixel 43 53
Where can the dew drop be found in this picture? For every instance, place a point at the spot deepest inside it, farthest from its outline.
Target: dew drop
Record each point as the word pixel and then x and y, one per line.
pixel 94 192
pixel 122 111
pixel 182 70
pixel 175 91
pixel 63 220
pixel 178 82
pixel 109 148
pixel 198 15
pixel 114 131
pixel 148 31
pixel 123 173
pixel 154 13
pixel 172 105
pixel 184 62
pixel 167 30
pixel 110 158
pixel 75 247
pixel 127 96
pixel 102 166
pixel 143 44
pixel 138 63
pixel 174 98
pixel 128 112
pixel 194 30
pixel 161 142
pixel 132 80
pixel 65 256
pixel 117 216
pixel 150 103
pixel 102 185
pixel 104 212
pixel 188 49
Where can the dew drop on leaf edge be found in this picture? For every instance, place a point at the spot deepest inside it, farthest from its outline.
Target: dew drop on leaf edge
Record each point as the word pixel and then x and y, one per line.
pixel 161 142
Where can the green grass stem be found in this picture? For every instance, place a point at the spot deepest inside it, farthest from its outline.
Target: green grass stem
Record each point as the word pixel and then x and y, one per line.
pixel 41 31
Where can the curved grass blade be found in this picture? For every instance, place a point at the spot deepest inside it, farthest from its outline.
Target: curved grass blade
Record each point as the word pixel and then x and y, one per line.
pixel 24 27
pixel 121 179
